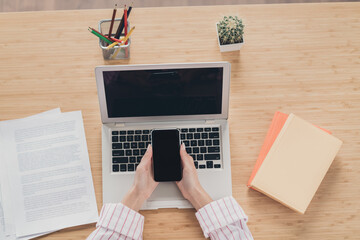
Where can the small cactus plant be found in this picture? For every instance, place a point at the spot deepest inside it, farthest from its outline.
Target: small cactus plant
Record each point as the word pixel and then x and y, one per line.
pixel 231 30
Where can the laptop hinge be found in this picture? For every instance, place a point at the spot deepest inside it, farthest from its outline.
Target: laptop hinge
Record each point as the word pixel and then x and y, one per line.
pixel 120 124
pixel 209 121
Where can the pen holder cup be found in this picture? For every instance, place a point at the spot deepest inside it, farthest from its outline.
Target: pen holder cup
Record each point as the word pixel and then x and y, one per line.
pixel 117 52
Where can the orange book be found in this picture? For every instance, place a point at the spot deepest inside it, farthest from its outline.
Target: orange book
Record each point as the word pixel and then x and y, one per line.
pixel 293 161
pixel 277 124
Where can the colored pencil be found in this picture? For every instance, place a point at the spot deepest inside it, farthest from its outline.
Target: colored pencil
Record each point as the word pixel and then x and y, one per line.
pixel 124 39
pixel 125 21
pixel 112 21
pixel 121 25
pixel 101 36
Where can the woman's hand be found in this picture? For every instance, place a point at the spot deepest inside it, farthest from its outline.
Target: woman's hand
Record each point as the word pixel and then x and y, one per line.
pixel 189 185
pixel 144 183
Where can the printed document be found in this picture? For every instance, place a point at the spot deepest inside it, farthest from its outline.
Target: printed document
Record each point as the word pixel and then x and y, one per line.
pixel 48 172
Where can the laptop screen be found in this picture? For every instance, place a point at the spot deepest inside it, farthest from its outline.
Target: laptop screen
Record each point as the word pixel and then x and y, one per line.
pixel 170 92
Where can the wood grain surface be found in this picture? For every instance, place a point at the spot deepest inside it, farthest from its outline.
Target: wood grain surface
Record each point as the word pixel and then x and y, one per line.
pixel 299 58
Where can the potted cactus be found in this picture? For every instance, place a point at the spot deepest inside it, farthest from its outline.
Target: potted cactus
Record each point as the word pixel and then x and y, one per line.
pixel 230 32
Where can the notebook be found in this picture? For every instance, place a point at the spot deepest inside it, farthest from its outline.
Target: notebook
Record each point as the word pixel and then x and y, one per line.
pixel 293 161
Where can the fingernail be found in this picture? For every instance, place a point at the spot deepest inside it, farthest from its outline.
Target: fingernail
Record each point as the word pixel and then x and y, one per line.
pixel 183 146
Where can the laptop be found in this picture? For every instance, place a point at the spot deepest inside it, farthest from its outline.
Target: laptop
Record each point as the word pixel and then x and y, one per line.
pixel 192 97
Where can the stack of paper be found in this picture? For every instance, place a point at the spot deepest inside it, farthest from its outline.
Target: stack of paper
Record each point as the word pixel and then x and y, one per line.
pixel 45 176
pixel 293 161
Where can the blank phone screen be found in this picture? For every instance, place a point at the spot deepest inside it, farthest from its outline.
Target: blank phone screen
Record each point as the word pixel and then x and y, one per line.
pixel 166 155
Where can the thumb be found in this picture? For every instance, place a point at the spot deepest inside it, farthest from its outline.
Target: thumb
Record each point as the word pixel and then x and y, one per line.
pixel 185 157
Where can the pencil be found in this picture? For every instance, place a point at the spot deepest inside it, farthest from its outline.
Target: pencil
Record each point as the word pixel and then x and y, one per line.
pixel 112 21
pixel 124 39
pixel 101 36
pixel 121 25
pixel 125 21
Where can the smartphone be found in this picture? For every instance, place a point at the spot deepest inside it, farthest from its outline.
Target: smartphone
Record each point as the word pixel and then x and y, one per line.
pixel 166 155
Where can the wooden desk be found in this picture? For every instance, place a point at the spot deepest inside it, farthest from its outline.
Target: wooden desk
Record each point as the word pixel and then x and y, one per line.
pixel 300 58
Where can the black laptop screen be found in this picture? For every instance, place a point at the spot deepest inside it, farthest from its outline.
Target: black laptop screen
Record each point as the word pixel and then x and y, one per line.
pixel 144 93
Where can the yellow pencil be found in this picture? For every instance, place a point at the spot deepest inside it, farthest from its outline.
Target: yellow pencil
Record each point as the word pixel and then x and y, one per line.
pixel 124 39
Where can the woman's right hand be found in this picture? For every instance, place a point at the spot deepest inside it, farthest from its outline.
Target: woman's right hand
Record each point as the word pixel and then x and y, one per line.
pixel 189 185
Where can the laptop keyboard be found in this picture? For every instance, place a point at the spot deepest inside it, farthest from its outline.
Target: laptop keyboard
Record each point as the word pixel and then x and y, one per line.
pixel 129 146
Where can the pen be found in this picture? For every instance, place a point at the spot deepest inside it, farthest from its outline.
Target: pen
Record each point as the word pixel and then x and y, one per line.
pixel 112 21
pixel 101 36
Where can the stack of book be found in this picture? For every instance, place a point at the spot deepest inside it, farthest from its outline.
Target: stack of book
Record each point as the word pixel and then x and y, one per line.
pixel 293 161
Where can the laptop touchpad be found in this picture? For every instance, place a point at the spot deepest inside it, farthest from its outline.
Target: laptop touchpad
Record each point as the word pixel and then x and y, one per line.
pixel 166 191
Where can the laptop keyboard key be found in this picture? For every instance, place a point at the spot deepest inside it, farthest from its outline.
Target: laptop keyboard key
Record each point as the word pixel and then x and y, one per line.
pixel 182 136
pixel 196 165
pixel 187 143
pixel 213 149
pixel 201 166
pixel 132 159
pixel 122 167
pixel 207 129
pixel 142 152
pixel 122 132
pixel 128 152
pixel 134 145
pixel 188 150
pixel 216 142
pixel 196 150
pixel 116 153
pixel 144 138
pixel 122 138
pixel 189 136
pixel 197 135
pixel 201 143
pixel 199 129
pixel 212 156
pixel 208 142
pixel 141 145
pixel 209 164
pixel 191 130
pixel 126 145
pixel 184 130
pixel 215 129
pixel 117 146
pixel 115 138
pixel 200 157
pixel 130 132
pixel 137 131
pixel 214 135
pixel 120 160
pixel 115 132
pixel 138 159
pixel 217 166
pixel 193 143
pixel 130 138
pixel 131 167
pixel 204 135
pixel 136 152
pixel 115 167
pixel 193 157
pixel 203 149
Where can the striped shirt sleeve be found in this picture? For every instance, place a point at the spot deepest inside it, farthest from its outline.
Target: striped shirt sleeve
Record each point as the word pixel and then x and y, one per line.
pixel 118 222
pixel 224 219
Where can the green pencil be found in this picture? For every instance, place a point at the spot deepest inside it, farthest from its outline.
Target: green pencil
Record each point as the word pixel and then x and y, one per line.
pixel 96 33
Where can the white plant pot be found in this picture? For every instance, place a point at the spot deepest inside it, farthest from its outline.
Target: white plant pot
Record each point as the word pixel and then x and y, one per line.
pixel 228 47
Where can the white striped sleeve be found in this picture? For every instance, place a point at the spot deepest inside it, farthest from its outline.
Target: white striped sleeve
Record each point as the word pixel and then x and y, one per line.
pixel 118 222
pixel 224 219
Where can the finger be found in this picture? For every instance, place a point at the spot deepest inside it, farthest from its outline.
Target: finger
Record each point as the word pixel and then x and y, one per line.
pixel 185 157
pixel 146 159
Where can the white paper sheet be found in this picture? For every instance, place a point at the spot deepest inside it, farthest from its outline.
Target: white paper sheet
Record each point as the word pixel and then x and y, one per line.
pixel 7 225
pixel 49 171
